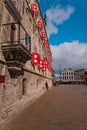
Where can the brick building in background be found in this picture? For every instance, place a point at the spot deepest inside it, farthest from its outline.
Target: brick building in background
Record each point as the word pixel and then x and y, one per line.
pixel 25 56
pixel 69 75
pixel 80 75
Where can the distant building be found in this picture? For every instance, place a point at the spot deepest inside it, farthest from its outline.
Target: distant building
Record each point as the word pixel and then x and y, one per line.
pixel 67 75
pixel 86 76
pixel 79 75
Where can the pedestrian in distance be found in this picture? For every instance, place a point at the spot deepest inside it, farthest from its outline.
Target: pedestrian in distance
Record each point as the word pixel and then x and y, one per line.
pixel 46 85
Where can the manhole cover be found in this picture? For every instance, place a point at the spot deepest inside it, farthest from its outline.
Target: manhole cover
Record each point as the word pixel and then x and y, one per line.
pixel 56 123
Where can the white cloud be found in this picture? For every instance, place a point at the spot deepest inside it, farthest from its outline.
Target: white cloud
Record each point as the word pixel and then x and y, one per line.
pixel 72 54
pixel 51 28
pixel 56 16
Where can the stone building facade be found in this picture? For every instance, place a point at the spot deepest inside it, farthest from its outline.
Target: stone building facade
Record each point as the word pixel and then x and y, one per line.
pixel 67 75
pixel 25 56
pixel 80 75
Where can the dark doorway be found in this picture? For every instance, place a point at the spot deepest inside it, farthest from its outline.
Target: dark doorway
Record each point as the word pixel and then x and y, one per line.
pixel 23 86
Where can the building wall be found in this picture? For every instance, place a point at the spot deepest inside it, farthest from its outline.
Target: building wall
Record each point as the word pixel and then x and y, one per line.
pixel 18 92
pixel 79 75
pixel 76 76
pixel 67 75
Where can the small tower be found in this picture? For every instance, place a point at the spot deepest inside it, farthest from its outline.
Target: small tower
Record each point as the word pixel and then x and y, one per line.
pixel 44 20
pixel 60 69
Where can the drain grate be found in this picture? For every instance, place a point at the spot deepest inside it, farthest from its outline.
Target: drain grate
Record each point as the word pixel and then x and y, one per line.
pixel 56 123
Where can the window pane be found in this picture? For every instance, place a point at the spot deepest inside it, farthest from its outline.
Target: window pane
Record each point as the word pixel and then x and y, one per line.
pixel 27 39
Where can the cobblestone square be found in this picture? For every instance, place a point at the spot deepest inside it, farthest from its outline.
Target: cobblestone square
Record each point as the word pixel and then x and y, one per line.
pixel 64 107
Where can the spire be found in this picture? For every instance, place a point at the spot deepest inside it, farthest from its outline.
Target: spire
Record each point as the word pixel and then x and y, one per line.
pixel 44 19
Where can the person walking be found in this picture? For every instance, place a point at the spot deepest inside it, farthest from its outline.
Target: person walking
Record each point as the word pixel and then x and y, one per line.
pixel 46 85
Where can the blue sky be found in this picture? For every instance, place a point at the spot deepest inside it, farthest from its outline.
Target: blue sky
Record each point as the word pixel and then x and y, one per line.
pixel 67 31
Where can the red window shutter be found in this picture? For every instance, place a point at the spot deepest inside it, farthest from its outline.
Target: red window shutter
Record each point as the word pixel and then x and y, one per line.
pixel 44 67
pixel 46 62
pixel 40 66
pixel 46 43
pixel 34 8
pixel 39 24
pixel 35 58
pixel 37 13
pixel 2 78
pixel 41 61
pixel 35 61
pixel 43 34
pixel 35 55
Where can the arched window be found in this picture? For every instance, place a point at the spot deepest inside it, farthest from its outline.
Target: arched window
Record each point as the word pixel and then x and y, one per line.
pixel 28 41
pixel 12 34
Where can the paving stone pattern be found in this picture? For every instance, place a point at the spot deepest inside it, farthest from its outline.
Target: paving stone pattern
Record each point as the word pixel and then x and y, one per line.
pixel 62 108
